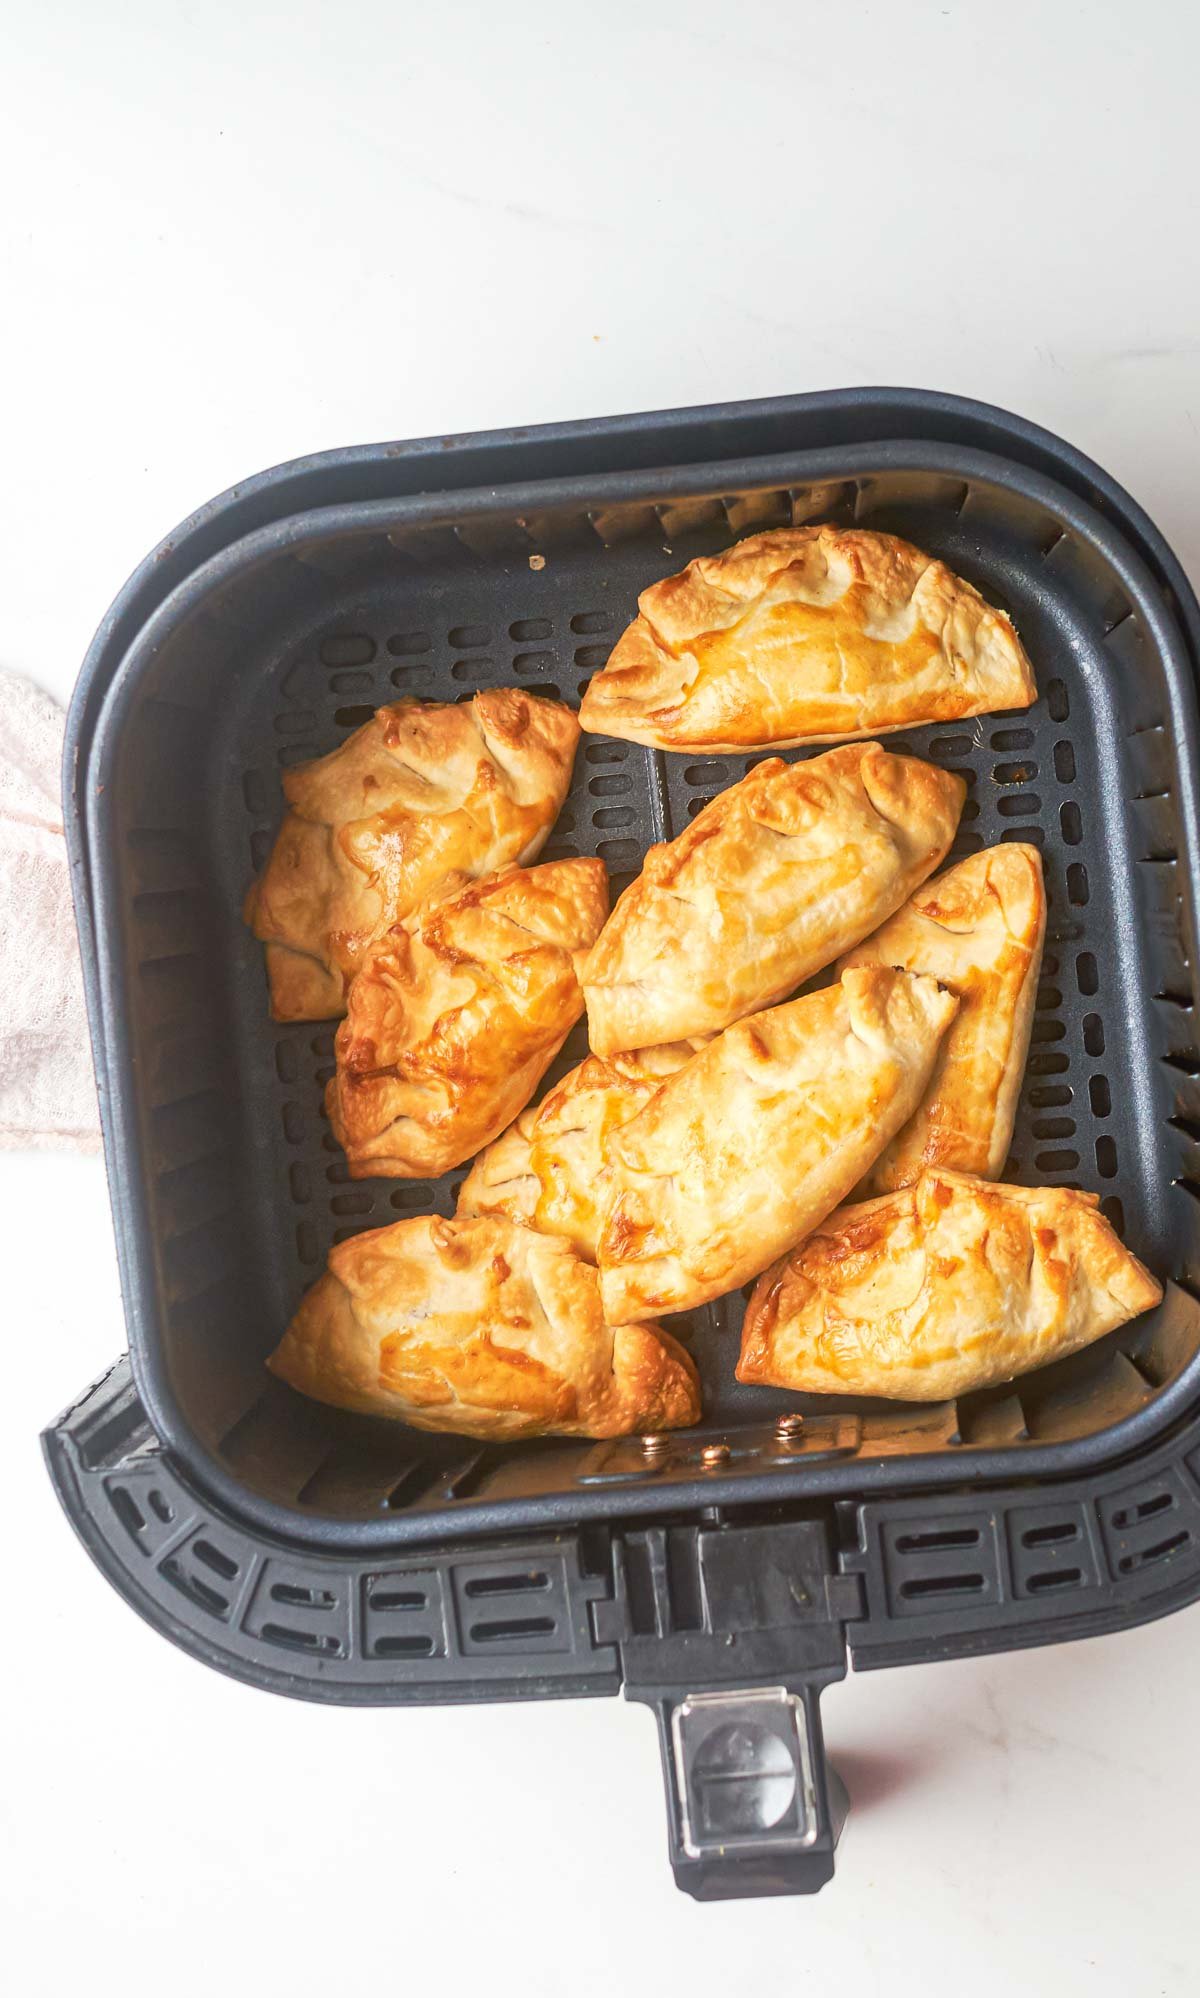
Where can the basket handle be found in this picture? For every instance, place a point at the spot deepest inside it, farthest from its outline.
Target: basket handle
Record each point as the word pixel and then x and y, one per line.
pixel 730 1634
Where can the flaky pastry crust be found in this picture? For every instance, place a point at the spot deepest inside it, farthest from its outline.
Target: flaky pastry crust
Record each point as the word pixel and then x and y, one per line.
pixel 762 1133
pixel 483 1328
pixel 768 884
pixel 804 635
pixel 979 930
pixel 456 1014
pixel 950 1284
pixel 418 793
pixel 550 1168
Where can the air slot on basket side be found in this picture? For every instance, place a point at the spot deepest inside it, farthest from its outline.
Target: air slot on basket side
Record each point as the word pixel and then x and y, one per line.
pixel 506 1585
pixel 909 1543
pixel 1053 1535
pixel 127 1510
pixel 1054 1578
pixel 195 1588
pixel 1145 1556
pixel 505 1630
pixel 300 1597
pixel 394 1645
pixel 347 649
pixel 290 1639
pixel 212 1557
pixel 1148 1508
pixel 922 1587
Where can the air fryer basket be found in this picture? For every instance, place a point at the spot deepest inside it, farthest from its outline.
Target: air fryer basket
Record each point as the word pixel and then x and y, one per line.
pixel 228 1188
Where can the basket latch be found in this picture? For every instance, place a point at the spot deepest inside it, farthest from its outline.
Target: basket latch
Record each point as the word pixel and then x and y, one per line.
pixel 730 1634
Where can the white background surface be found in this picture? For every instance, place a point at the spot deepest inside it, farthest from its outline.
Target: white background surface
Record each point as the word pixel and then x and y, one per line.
pixel 232 234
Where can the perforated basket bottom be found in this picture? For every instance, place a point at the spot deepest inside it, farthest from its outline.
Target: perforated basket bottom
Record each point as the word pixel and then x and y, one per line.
pixel 1087 775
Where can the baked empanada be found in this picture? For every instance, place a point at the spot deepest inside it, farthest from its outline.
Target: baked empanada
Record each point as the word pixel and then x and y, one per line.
pixel 760 1135
pixel 549 1169
pixel 978 929
pixel 950 1284
pixel 767 885
pixel 484 1328
pixel 418 793
pixel 457 1013
pixel 805 634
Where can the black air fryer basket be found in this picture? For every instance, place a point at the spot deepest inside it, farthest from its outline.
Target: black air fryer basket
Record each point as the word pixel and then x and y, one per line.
pixel 339 1558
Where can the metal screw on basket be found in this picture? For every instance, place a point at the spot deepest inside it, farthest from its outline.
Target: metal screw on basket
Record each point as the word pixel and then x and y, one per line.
pixel 654 1448
pixel 790 1428
pixel 714 1455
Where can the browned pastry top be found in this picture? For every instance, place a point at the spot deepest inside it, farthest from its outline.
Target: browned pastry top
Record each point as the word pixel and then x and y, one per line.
pixel 456 1014
pixel 978 929
pixel 418 793
pixel 950 1284
pixel 805 634
pixel 767 885
pixel 550 1169
pixel 763 1132
pixel 481 1327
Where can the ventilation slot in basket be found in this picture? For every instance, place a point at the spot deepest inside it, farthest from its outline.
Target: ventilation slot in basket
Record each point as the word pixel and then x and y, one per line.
pixel 506 1585
pixel 1147 1527
pixel 931 1569
pixel 1054 1578
pixel 1159 1551
pixel 935 1542
pixel 511 1629
pixel 196 1589
pixel 145 1512
pixel 1051 1550
pixel 922 1587
pixel 390 1645
pixel 1050 1536
pixel 293 1639
pixel 403 1616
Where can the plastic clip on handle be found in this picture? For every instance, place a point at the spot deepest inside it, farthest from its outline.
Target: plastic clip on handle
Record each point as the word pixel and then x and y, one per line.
pixel 753 1807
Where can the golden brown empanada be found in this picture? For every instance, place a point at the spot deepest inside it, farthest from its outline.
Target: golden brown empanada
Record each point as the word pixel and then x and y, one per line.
pixel 418 793
pixel 767 885
pixel 805 634
pixel 948 1285
pixel 978 929
pixel 549 1169
pixel 484 1328
pixel 762 1134
pixel 457 1013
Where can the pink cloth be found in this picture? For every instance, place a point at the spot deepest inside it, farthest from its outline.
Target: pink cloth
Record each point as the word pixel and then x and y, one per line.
pixel 47 1086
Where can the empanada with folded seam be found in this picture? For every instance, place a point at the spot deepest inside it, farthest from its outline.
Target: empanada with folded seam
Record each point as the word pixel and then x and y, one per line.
pixel 804 635
pixel 951 1284
pixel 420 792
pixel 483 1328
pixel 550 1168
pixel 768 884
pixel 978 929
pixel 763 1132
pixel 457 1013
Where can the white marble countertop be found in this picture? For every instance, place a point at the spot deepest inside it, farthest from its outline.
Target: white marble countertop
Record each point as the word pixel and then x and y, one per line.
pixel 233 234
